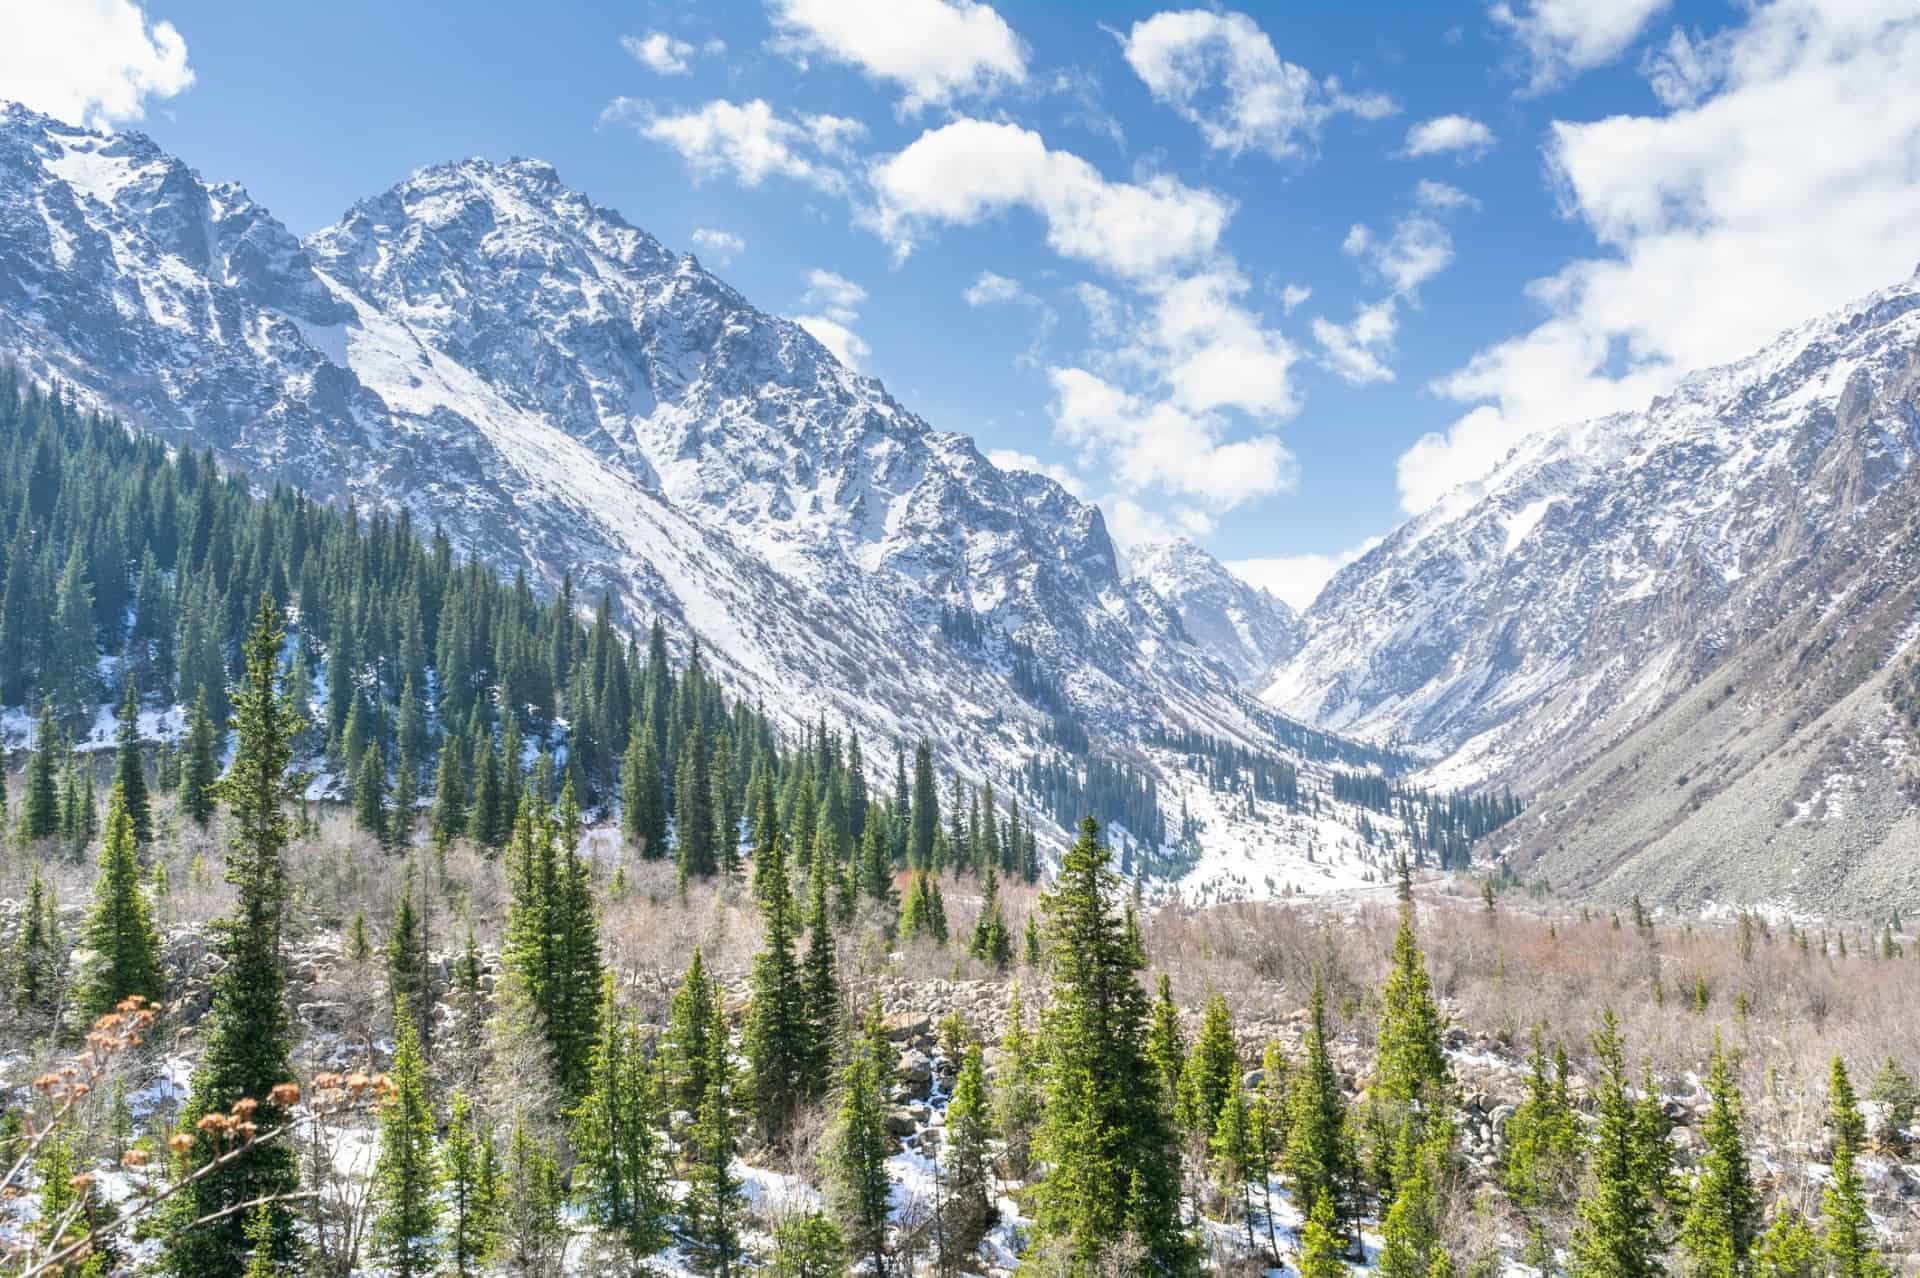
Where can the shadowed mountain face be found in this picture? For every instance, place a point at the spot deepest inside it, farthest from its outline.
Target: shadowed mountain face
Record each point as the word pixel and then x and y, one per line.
pixel 485 349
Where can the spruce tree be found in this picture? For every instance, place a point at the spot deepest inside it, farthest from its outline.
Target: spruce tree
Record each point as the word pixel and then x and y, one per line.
pixel 926 809
pixel 1321 1242
pixel 472 1190
pixel 1412 1068
pixel 247 1038
pixel 1848 1230
pixel 1788 1248
pixel 1105 1133
pixel 821 986
pixel 778 1041
pixel 197 782
pixel 1410 1234
pixel 129 773
pixel 409 978
pixel 1234 1153
pixel 1017 1099
pixel 532 1234
pixel 1166 1045
pixel 1618 1236
pixel 620 1178
pixel 969 1158
pixel 1543 1150
pixel 406 1217
pixel 34 963
pixel 448 819
pixel 119 931
pixel 685 1053
pixel 693 812
pixel 712 1209
pixel 370 793
pixel 808 1246
pixel 643 800
pixel 854 1159
pixel 1319 1157
pixel 1212 1071
pixel 40 808
pixel 1723 1213
pixel 991 942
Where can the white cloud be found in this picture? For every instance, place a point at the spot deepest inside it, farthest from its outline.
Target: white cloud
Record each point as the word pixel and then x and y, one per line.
pixel 1292 296
pixel 993 289
pixel 936 50
pixel 659 52
pixel 835 301
pixel 968 170
pixel 1357 351
pixel 1790 189
pixel 1561 38
pixel 1685 70
pixel 1157 445
pixel 746 140
pixel 1014 459
pixel 1219 72
pixel 1439 195
pixel 1296 579
pixel 1419 249
pixel 1211 352
pixel 1132 525
pixel 721 247
pixel 1461 134
pixel 93 62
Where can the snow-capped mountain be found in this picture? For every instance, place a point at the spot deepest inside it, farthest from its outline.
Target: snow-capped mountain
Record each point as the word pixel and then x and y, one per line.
pixel 1249 629
pixel 488 350
pixel 1532 618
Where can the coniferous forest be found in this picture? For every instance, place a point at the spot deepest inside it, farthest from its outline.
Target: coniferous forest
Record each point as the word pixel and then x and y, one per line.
pixel 368 912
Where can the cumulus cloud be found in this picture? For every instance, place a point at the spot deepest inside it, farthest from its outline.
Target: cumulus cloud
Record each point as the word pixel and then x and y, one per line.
pixel 834 308
pixel 1792 187
pixel 659 52
pixel 1296 579
pixel 968 170
pixel 95 63
pixel 1292 296
pixel 937 50
pixel 721 247
pixel 1134 526
pixel 748 141
pixel 1220 73
pixel 1460 135
pixel 1356 351
pixel 1558 39
pixel 1418 249
pixel 1439 195
pixel 993 289
pixel 1154 444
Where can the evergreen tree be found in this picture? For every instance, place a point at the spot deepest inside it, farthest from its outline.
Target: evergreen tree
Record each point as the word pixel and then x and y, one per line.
pixel 1017 1100
pixel 778 1039
pixel 552 950
pixel 643 800
pixel 1212 1072
pixel 854 1160
pixel 1723 1213
pixel 1788 1249
pixel 448 820
pixel 1618 1235
pixel 926 809
pixel 405 1179
pixel 119 931
pixel 370 793
pixel 620 1179
pixel 1319 1158
pixel 1412 1068
pixel 247 1038
pixel 1321 1242
pixel 35 960
pixel 71 676
pixel 991 942
pixel 472 1190
pixel 712 1209
pixel 129 774
pixel 876 857
pixel 820 984
pixel 1166 1046
pixel 1105 1134
pixel 40 809
pixel 686 1051
pixel 409 976
pixel 967 1153
pixel 808 1246
pixel 1849 1238
pixel 1410 1234
pixel 1234 1154
pixel 1543 1149
pixel 531 1232
pixel 203 764
pixel 693 813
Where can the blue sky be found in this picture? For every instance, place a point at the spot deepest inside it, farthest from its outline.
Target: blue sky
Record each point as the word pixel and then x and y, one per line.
pixel 1269 278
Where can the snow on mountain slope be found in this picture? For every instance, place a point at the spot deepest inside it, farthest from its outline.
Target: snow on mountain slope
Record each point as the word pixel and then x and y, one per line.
pixel 1532 617
pixel 1245 626
pixel 487 350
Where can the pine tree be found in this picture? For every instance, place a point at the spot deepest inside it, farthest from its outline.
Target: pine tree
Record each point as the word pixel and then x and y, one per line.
pixel 1166 1046
pixel 926 809
pixel 203 764
pixel 1321 1242
pixel 778 1041
pixel 531 1235
pixel 34 962
pixel 248 1037
pixel 1412 1068
pixel 991 942
pixel 693 813
pixel 1618 1236
pixel 406 1218
pixel 643 801
pixel 370 793
pixel 1234 1153
pixel 1723 1213
pixel 712 1209
pixel 1411 1232
pixel 448 820
pixel 1319 1158
pixel 1789 1248
pixel 472 1190
pixel 620 1179
pixel 1849 1236
pixel 1016 1107
pixel 1269 1118
pixel 1105 1133
pixel 876 857
pixel 71 676
pixel 686 1052
pixel 808 1246
pixel 409 977
pixel 821 986
pixel 854 1159
pixel 968 1156
pixel 129 774
pixel 119 931
pixel 1543 1149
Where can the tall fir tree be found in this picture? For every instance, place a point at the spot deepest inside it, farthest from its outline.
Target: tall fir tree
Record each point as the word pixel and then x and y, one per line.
pixel 854 1159
pixel 968 1153
pixel 472 1190
pixel 248 1048
pixel 409 972
pixel 406 1207
pixel 119 931
pixel 129 771
pixel 620 1177
pixel 1723 1210
pixel 1105 1133
pixel 820 983
pixel 778 1038
pixel 1212 1071
pixel 1618 1235
pixel 1319 1160
pixel 713 1208
pixel 202 771
pixel 926 809
pixel 40 807
pixel 1848 1235
pixel 685 1051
